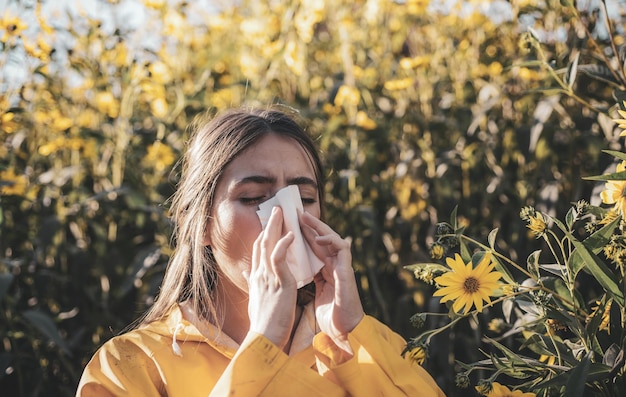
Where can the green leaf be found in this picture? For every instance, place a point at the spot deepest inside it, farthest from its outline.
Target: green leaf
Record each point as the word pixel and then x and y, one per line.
pixel 453 217
pixel 514 358
pixel 570 218
pixel 47 327
pixel 596 241
pixel 466 253
pixel 595 372
pixel 615 153
pixel 492 238
pixel 5 282
pixel 599 271
pixel 599 72
pixel 506 274
pixel 573 71
pixel 616 176
pixel 575 385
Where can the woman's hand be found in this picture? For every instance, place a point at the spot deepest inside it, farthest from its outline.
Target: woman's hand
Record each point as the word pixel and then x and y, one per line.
pixel 337 303
pixel 272 288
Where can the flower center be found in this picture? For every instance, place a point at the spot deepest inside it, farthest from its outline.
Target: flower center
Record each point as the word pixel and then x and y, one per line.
pixel 470 285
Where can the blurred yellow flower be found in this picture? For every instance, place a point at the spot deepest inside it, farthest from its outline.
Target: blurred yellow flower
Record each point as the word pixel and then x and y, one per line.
pixel 43 25
pixel 294 57
pixel 615 192
pixel 158 107
pixel 175 24
pixel 468 286
pixel 417 7
pixel 347 96
pixel 16 184
pixel 364 121
pixel 159 72
pixel 498 390
pixel 496 325
pixel 12 26
pixel 7 123
pixel 107 104
pixel 159 157
pixel 399 84
pixel 155 4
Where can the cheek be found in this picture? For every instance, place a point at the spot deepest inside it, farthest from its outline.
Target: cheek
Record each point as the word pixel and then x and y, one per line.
pixel 232 234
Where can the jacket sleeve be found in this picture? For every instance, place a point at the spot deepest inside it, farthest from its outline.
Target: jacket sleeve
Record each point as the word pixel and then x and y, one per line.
pixel 377 364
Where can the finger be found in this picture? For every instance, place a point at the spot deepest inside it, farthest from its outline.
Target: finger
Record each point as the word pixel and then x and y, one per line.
pixel 271 236
pixel 279 257
pixel 316 224
pixel 256 253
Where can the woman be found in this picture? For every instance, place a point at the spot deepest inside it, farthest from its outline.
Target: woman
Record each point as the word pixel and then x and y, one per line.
pixel 229 319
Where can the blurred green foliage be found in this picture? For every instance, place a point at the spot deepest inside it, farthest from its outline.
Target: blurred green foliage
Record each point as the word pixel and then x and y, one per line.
pixel 417 110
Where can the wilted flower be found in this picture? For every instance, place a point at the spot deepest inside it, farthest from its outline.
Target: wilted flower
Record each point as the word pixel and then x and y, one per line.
pixel 418 320
pixel 417 355
pixel 484 387
pixel 462 380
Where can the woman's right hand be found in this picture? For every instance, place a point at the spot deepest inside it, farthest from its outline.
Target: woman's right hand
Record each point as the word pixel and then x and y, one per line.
pixel 272 289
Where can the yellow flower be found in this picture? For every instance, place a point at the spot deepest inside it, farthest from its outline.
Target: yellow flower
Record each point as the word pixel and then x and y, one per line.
pixel 16 184
pixel 107 104
pixel 609 217
pixel 159 156
pixel 468 286
pixel 537 224
pixel 550 360
pixel 437 251
pixel 496 325
pixel 7 122
pixel 364 121
pixel 417 355
pixel 498 390
pixel 621 123
pixel 606 316
pixel 12 26
pixel 615 192
pixel 348 96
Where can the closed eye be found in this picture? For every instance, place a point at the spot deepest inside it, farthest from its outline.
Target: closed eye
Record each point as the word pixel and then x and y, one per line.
pixel 252 200
pixel 308 201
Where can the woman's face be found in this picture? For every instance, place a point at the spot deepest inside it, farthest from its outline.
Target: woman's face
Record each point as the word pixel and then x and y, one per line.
pixel 267 166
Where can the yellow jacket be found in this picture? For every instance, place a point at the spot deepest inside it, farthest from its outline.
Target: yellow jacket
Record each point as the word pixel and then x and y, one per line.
pixel 172 358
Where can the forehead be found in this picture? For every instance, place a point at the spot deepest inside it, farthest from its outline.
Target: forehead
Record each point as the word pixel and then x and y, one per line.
pixel 272 155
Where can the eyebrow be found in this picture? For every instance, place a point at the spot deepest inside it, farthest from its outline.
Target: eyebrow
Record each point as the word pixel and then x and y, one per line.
pixel 261 179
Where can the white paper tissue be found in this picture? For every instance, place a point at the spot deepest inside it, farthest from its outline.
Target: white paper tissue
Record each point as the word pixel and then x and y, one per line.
pixel 302 262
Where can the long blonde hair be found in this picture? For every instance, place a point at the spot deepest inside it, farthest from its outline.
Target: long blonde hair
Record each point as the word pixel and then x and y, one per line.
pixel 214 143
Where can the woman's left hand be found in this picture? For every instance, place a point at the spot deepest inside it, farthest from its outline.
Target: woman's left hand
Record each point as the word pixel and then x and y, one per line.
pixel 337 303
